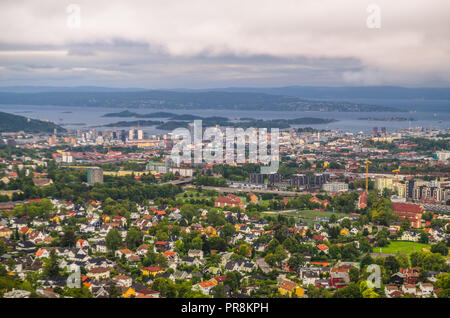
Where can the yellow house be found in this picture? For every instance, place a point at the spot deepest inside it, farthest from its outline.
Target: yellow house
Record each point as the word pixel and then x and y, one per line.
pixel 289 288
pixel 130 292
pixel 151 270
pixel 345 232
pixel 56 219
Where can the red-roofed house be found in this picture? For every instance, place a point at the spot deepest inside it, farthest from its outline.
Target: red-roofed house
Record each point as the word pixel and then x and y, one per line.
pixel 230 200
pixel 411 212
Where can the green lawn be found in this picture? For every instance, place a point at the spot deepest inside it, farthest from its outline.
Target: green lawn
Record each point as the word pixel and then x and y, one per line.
pixel 396 246
pixel 313 214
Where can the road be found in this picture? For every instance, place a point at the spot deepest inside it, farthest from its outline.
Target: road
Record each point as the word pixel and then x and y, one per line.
pixel 233 190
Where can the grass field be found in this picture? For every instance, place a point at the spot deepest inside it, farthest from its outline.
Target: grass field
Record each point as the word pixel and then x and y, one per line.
pixel 396 246
pixel 313 214
pixel 308 216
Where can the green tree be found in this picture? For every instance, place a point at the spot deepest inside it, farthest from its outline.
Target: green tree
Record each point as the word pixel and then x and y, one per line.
pixel 233 280
pixel 219 291
pixel 113 240
pixel 68 239
pixel 51 267
pixel 296 261
pixel 443 282
pixel 440 248
pixel 133 238
pixel 114 292
pixel 423 238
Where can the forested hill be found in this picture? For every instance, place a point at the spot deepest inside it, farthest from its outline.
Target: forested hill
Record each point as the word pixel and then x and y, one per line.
pixel 12 123
pixel 183 100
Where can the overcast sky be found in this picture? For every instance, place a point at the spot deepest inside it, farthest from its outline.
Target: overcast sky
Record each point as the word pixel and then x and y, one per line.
pixel 219 43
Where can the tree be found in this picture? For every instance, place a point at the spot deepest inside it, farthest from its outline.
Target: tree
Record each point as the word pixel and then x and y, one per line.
pixel 133 238
pixel 443 282
pixel 346 223
pixel 367 260
pixel 440 248
pixel 3 248
pixel 227 232
pixel 333 218
pixel 403 259
pixel 51 266
pixel 220 292
pixel 233 280
pixel 188 211
pixel 350 291
pixel 354 274
pixel 391 264
pixel 381 239
pixel 114 292
pixel 113 240
pixel 382 212
pixel 150 258
pixel 69 239
pixel 296 261
pixel 423 238
pixel 165 287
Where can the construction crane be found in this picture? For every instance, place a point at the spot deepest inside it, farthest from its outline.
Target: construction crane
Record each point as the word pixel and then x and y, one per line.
pixel 367 175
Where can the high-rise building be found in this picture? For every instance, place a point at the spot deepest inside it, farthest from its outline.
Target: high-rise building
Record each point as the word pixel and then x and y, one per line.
pixel 131 134
pixel 300 180
pixel 94 175
pixel 375 131
pixel 320 179
pixel 274 178
pixel 256 178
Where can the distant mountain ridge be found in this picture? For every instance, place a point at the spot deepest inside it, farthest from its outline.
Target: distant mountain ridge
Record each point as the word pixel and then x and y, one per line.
pixel 166 100
pixel 348 92
pixel 315 92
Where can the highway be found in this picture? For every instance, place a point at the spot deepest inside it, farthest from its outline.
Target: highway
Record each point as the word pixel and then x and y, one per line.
pixel 233 190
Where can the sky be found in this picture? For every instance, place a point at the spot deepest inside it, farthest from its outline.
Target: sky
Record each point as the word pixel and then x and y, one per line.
pixel 222 43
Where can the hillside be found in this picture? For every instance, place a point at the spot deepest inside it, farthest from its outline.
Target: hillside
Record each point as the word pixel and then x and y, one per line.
pixel 185 100
pixel 12 123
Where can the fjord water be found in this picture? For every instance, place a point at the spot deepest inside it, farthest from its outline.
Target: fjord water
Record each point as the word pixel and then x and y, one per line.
pixel 435 113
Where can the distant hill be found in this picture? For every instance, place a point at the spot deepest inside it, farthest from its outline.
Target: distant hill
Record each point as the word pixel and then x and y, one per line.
pixel 12 123
pixel 186 100
pixel 345 92
pixel 46 89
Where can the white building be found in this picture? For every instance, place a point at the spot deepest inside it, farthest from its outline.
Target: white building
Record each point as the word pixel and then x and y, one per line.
pixel 335 187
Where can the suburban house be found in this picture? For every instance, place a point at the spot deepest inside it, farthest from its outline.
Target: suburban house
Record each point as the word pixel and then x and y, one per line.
pixel 290 288
pixel 98 273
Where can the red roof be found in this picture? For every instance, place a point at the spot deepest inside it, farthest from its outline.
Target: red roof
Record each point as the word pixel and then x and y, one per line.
pixel 407 207
pixel 322 247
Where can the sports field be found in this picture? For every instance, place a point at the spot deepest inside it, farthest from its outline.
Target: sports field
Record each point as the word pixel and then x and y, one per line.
pixel 396 246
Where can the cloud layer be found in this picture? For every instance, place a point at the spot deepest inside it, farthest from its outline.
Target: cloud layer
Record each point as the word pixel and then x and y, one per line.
pixel 210 43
